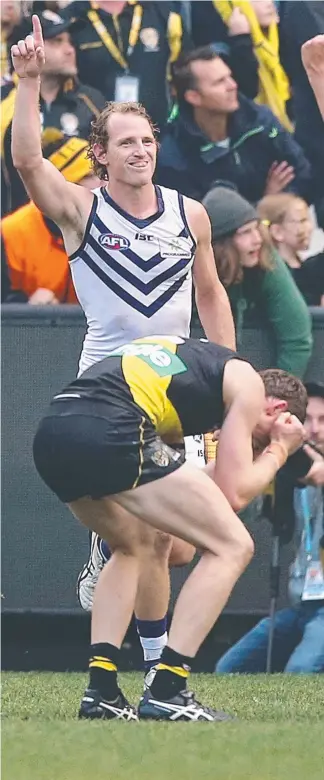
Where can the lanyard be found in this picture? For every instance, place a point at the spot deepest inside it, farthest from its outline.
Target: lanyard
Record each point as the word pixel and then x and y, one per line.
pixel 307 517
pixel 117 51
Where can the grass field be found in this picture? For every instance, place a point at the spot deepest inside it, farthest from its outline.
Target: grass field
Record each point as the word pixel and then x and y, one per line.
pixel 279 732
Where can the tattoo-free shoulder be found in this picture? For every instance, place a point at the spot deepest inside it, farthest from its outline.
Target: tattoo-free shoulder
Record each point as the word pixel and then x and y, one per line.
pixel 197 217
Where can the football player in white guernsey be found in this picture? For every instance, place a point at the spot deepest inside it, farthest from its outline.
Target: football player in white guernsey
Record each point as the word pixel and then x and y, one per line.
pixel 134 249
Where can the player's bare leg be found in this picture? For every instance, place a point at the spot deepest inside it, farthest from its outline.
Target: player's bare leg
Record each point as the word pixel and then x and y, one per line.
pixel 194 508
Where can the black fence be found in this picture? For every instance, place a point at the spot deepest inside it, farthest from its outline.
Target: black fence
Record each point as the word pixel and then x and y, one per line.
pixel 43 547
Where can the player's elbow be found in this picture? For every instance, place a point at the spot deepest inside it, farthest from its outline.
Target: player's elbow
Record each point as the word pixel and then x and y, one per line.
pixel 25 164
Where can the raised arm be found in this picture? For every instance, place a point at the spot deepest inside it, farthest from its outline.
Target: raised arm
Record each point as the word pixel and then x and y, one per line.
pixel 211 298
pixel 58 199
pixel 312 53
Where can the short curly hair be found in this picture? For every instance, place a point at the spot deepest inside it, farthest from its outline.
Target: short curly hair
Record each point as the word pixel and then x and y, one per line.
pixel 100 135
pixel 281 384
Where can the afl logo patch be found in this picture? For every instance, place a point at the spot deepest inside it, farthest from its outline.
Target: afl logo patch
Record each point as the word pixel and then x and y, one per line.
pixel 111 241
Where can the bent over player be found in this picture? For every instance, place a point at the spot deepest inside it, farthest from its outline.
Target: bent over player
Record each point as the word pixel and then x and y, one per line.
pixel 102 449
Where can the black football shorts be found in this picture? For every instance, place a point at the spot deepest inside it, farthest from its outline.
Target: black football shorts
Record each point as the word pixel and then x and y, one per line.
pixel 87 448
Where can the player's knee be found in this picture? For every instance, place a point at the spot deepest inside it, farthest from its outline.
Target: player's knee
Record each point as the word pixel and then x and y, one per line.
pixel 237 549
pixel 242 549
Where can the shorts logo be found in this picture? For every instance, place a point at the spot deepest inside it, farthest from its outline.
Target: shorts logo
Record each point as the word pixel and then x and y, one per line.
pixel 111 241
pixel 161 458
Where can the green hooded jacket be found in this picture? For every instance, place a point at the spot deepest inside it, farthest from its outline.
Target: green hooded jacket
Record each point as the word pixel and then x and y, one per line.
pixel 273 295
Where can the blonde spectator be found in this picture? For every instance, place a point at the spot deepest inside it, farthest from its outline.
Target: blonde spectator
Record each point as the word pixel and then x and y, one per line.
pixel 263 20
pixel 288 220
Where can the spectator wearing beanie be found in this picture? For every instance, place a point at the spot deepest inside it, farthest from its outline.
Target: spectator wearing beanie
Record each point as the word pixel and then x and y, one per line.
pixel 34 260
pixel 257 279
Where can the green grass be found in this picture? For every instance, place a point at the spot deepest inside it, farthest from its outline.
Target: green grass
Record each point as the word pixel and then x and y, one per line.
pixel 278 734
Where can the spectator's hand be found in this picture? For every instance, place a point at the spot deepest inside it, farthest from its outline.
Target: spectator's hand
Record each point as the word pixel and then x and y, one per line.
pixel 315 475
pixel 28 55
pixel 238 24
pixel 288 431
pixel 43 297
pixel 279 176
pixel 312 53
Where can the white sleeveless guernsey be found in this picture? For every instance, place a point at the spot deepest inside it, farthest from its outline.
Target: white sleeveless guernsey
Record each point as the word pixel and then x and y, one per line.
pixel 133 277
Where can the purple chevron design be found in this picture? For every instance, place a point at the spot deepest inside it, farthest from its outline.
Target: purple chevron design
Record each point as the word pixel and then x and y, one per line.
pixel 147 311
pixel 143 287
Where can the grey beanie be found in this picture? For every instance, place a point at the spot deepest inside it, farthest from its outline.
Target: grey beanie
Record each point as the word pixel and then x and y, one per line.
pixel 227 211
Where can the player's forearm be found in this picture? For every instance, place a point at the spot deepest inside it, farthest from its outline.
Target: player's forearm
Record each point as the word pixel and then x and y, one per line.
pixel 241 487
pixel 216 317
pixel 26 145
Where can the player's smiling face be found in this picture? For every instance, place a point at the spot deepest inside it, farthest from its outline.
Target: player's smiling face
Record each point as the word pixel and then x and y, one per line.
pixel 131 151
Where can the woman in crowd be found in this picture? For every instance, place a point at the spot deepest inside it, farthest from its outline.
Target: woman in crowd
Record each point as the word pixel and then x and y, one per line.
pixel 257 279
pixel 288 220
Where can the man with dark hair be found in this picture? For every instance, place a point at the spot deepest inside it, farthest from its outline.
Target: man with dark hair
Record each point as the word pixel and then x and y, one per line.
pixel 216 134
pixel 108 448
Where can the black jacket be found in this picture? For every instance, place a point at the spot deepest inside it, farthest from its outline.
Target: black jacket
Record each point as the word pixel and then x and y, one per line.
pixel 148 62
pixel 189 162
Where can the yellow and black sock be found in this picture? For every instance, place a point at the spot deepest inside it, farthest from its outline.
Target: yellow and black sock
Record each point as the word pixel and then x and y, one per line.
pixel 103 670
pixel 171 675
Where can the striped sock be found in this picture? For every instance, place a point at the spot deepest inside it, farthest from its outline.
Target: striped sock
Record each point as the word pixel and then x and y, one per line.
pixel 103 670
pixel 153 638
pixel 171 675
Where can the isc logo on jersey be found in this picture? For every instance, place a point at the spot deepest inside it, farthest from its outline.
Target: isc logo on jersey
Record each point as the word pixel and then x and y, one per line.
pixel 113 241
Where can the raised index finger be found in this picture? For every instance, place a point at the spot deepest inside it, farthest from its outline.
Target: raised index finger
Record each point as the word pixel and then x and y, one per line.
pixel 37 31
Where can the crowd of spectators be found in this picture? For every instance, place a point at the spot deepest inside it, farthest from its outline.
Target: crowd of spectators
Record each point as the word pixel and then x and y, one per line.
pixel 225 85
pixel 240 130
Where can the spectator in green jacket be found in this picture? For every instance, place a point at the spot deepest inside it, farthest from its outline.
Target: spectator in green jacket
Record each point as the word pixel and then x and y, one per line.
pixel 257 279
